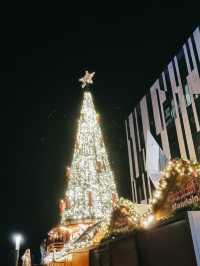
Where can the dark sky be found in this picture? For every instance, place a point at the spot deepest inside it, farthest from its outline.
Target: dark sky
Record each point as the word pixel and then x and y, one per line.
pixel 44 50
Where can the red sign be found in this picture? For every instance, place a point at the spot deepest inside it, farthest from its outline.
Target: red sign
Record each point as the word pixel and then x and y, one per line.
pixel 185 195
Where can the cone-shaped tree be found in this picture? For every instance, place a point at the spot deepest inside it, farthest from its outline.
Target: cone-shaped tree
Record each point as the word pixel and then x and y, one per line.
pixel 91 184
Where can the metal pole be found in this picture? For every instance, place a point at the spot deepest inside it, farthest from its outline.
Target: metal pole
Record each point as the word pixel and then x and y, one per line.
pixel 17 257
pixel 17 239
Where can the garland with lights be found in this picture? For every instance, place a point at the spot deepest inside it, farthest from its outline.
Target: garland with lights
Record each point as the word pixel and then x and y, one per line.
pixel 124 218
pixel 178 190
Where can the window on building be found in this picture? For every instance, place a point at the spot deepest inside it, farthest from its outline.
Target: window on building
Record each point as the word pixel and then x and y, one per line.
pixel 169 111
pixel 187 95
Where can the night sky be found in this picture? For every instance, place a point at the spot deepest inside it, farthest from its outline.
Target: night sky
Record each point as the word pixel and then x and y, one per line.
pixel 44 51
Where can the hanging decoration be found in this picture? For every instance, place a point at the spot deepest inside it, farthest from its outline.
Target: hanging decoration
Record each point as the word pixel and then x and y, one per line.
pixel 98 118
pixel 62 206
pixel 114 198
pixel 67 171
pixel 67 202
pixel 90 199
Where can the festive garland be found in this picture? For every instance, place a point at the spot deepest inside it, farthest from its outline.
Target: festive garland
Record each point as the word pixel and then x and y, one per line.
pixel 124 218
pixel 175 176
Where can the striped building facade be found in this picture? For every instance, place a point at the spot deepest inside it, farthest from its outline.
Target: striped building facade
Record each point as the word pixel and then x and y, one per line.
pixel 171 112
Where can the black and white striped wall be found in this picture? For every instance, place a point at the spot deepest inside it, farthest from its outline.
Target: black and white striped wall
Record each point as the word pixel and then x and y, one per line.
pixel 171 111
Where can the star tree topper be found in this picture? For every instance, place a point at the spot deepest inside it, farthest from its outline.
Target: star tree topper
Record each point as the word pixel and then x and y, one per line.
pixel 86 79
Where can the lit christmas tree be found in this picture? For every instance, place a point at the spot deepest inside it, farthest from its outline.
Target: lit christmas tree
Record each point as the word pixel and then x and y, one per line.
pixel 91 187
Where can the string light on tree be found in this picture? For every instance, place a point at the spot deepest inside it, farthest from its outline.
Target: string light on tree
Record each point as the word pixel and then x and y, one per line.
pixel 91 182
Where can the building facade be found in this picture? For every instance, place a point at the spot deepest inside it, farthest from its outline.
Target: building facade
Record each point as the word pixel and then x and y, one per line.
pixel 171 112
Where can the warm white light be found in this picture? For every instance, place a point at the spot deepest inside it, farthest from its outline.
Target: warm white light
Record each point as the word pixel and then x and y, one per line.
pixel 148 220
pixel 158 194
pixel 151 218
pixel 17 238
pixel 145 223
